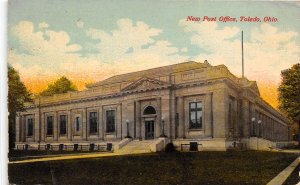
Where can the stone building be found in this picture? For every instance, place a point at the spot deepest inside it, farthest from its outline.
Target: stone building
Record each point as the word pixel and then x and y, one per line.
pixel 186 102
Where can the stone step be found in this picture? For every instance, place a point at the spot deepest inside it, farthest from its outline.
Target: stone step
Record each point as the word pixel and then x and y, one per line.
pixel 137 146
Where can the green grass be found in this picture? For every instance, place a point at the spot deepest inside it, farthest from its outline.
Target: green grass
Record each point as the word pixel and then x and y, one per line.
pixel 243 167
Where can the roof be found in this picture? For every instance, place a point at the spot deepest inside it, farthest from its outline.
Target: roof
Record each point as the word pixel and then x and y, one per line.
pixel 185 66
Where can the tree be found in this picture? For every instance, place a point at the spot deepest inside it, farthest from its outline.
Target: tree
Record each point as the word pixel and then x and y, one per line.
pixel 289 94
pixel 17 96
pixel 62 85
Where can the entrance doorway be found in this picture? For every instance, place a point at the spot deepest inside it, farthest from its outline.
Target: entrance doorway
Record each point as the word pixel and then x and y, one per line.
pixel 149 129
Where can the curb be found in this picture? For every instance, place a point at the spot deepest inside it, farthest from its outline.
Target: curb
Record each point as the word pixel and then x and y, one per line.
pixel 282 176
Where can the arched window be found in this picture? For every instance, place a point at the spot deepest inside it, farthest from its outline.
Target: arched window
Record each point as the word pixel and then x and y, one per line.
pixel 149 110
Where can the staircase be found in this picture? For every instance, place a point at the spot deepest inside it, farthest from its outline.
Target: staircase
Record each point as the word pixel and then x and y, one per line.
pixel 136 147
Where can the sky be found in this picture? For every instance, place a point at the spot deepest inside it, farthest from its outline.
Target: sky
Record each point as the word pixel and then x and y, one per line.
pixel 89 40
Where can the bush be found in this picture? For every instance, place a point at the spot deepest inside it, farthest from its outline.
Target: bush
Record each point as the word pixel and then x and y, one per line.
pixel 170 148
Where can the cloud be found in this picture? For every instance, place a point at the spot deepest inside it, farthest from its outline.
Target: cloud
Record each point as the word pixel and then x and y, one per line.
pixel 127 36
pixel 39 55
pixel 267 51
pixel 133 46
pixel 42 56
pixel 43 25
pixel 184 49
pixel 45 42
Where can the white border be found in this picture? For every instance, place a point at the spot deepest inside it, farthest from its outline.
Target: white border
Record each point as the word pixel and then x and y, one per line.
pixel 3 94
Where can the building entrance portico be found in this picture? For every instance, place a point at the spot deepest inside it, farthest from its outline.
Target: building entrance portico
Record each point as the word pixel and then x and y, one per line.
pixel 149 115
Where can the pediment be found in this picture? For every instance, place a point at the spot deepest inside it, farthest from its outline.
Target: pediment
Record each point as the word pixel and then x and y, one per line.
pixel 146 84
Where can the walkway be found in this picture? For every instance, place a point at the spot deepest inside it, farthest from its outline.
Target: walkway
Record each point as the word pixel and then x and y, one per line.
pixel 95 155
pixel 282 176
pixel 73 156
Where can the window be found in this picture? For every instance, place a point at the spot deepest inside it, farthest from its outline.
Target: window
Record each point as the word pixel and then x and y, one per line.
pixel 195 111
pixel 231 118
pixel 77 124
pixel 63 124
pixel 149 110
pixel 110 121
pixel 49 125
pixel 93 122
pixel 29 126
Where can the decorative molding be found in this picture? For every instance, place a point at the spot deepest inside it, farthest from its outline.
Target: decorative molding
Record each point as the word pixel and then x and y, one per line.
pixel 145 84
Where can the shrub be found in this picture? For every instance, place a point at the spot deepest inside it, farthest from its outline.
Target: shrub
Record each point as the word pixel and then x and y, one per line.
pixel 170 148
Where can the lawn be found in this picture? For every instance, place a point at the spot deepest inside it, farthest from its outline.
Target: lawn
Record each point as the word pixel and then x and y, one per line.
pixel 232 167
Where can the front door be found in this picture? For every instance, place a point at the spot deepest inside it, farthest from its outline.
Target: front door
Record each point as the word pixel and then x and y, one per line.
pixel 149 129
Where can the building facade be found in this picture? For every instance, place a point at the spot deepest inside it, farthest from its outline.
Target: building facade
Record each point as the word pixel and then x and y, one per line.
pixel 185 102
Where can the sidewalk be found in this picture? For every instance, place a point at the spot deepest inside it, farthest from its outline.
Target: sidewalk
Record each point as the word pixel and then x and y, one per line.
pixel 295 151
pixel 282 176
pixel 71 156
pixel 94 155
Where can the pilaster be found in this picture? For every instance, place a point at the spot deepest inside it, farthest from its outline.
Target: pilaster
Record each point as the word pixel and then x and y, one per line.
pixel 23 128
pixel 138 119
pixel 55 126
pixel 18 128
pixel 36 126
pixel 84 124
pixel 245 118
pixel 69 128
pixel 100 123
pixel 43 121
pixel 172 114
pixel 180 111
pixel 158 120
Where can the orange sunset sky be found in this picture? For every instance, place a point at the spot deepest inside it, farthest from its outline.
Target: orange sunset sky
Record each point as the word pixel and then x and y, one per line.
pixel 268 91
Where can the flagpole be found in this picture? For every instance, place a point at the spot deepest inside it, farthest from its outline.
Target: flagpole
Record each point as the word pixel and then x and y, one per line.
pixel 242 55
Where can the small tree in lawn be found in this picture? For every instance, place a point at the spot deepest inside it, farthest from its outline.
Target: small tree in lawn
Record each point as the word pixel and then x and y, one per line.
pixel 62 85
pixel 289 94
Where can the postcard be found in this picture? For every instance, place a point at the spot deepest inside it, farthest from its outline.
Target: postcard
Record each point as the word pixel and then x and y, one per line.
pixel 153 92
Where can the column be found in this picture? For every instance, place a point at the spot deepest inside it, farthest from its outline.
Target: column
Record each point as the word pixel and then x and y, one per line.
pixel 253 115
pixel 36 126
pixel 87 128
pixel 69 128
pixel 43 134
pixel 55 126
pixel 134 120
pixel 172 114
pixel 104 122
pixel 22 128
pixel 138 119
pixel 119 121
pixel 84 124
pixel 101 123
pixel 245 118
pixel 158 120
pixel 180 111
pixel 18 128
pixel 211 115
pixel 166 113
